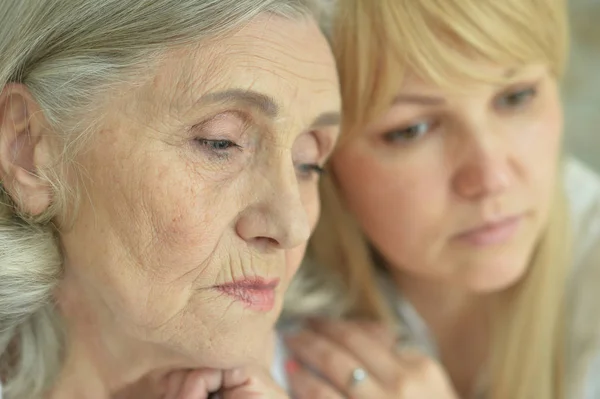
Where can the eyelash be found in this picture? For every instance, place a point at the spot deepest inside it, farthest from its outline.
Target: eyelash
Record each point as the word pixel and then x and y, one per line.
pixel 308 170
pixel 219 148
pixel 410 133
pixel 413 133
pixel 522 96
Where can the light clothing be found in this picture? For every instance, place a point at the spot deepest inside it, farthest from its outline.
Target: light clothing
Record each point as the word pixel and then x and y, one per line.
pixel 583 363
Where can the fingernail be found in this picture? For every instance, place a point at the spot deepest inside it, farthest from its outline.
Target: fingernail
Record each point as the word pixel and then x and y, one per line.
pixel 291 366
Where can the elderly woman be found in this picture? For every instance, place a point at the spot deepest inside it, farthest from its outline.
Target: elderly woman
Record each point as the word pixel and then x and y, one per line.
pixel 159 162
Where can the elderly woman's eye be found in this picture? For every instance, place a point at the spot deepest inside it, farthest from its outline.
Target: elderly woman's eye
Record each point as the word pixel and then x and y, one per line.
pixel 217 146
pixel 308 170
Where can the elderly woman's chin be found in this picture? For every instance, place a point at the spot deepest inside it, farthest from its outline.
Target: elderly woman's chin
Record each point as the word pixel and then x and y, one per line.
pixel 218 331
pixel 232 336
pixel 219 315
pixel 231 325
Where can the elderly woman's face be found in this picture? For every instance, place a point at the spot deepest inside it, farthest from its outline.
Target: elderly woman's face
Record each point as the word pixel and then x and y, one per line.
pixel 201 192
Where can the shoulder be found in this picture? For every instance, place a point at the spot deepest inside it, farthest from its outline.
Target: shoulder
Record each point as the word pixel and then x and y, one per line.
pixel 582 187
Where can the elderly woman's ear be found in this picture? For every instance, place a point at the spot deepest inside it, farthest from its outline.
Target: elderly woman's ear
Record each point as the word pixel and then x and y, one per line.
pixel 24 150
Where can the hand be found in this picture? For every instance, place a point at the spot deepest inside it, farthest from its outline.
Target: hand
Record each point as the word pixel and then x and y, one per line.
pixel 247 383
pixel 330 351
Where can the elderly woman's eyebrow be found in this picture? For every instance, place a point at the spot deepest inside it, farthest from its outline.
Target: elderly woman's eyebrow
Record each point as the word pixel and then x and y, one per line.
pixel 326 119
pixel 263 102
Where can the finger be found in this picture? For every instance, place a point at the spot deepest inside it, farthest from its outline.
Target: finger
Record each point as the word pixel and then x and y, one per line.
pixel 378 358
pixel 380 333
pixel 174 382
pixel 236 378
pixel 424 368
pixel 411 356
pixel 250 382
pixel 417 362
pixel 199 383
pixel 332 362
pixel 306 385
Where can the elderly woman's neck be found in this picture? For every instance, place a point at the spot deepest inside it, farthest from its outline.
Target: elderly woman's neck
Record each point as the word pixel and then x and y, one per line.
pixel 89 377
pixel 101 361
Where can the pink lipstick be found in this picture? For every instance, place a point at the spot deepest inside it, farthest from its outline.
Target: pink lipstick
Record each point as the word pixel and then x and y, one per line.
pixel 494 233
pixel 254 293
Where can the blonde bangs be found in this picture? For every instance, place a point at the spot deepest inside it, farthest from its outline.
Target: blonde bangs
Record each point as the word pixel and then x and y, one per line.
pixel 376 42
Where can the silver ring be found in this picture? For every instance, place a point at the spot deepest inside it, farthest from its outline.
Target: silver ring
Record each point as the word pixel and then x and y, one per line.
pixel 358 375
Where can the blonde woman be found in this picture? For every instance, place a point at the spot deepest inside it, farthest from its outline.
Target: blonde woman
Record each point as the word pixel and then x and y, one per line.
pixel 159 162
pixel 449 211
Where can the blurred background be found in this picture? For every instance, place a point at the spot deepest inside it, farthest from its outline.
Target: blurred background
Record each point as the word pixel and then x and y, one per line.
pixel 582 84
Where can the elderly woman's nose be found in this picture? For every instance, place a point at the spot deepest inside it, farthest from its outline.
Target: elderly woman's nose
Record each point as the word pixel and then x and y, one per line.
pixel 278 219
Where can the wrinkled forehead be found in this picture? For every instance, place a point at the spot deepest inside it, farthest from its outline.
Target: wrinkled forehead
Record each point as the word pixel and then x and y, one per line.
pixel 288 63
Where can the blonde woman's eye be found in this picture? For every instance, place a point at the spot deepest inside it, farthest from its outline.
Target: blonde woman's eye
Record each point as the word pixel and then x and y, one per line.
pixel 516 99
pixel 407 134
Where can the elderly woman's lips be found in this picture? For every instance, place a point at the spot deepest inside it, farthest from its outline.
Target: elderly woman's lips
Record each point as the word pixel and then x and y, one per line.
pixel 256 294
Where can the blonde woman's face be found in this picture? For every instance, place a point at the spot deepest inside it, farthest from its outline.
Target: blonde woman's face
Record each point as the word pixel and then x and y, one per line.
pixel 201 193
pixel 456 186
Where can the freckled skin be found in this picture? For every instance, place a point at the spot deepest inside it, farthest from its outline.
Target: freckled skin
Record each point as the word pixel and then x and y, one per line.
pixel 163 220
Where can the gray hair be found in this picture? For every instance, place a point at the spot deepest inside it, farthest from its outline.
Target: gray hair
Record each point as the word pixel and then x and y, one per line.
pixel 67 53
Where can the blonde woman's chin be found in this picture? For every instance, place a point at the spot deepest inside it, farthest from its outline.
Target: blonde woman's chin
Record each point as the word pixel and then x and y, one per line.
pixel 493 276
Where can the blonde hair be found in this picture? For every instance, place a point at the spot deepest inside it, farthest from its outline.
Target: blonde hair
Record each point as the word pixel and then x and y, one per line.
pixel 68 54
pixel 374 44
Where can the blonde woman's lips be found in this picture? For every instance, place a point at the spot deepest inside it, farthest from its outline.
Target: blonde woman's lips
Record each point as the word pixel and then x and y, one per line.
pixel 494 233
pixel 253 293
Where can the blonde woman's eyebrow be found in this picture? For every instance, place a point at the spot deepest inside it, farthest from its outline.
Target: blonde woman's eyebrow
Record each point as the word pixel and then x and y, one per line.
pixel 418 99
pixel 512 72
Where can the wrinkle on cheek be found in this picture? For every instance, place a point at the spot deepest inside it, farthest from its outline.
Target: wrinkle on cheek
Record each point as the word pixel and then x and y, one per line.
pixel 193 241
pixel 138 228
pixel 293 261
pixel 242 263
pixel 169 319
pixel 208 314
